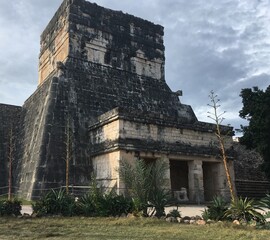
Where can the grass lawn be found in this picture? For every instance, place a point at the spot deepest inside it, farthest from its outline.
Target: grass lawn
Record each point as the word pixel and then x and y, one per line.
pixel 122 228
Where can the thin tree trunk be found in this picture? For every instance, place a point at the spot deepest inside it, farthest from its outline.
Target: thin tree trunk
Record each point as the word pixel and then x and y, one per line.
pixel 67 166
pixel 68 143
pixel 217 118
pixel 10 158
pixel 224 158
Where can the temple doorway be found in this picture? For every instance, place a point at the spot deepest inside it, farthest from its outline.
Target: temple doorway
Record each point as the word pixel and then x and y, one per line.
pixel 210 180
pixel 179 175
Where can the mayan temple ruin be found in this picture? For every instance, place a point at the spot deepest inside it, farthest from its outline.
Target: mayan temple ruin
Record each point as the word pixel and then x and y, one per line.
pixel 101 75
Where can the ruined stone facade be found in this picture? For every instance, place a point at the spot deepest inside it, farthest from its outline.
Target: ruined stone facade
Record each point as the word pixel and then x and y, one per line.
pixel 101 73
pixel 9 117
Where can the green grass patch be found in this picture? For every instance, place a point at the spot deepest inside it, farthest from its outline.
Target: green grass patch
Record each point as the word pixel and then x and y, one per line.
pixel 121 228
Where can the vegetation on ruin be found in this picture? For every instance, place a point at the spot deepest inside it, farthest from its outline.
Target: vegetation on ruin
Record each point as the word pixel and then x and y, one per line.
pixel 256 110
pixel 121 228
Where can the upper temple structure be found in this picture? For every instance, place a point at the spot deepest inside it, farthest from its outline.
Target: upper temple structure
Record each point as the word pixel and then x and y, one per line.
pixel 102 86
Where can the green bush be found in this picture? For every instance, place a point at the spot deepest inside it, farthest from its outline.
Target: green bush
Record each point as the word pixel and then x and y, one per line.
pixel 158 200
pixel 174 213
pixel 55 202
pixel 10 207
pixel 86 206
pixel 206 215
pixel 244 210
pixel 118 204
pixel 216 210
pixel 265 202
pixel 145 184
pixel 96 203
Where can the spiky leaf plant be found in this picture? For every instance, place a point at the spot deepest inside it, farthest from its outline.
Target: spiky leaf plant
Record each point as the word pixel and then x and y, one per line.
pixel 244 209
pixel 144 183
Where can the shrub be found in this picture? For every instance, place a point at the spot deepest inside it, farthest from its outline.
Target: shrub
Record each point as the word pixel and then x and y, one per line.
pixel 144 183
pixel 216 210
pixel 10 207
pixel 86 206
pixel 118 204
pixel 265 202
pixel 55 202
pixel 159 198
pixel 98 203
pixel 244 210
pixel 205 214
pixel 174 213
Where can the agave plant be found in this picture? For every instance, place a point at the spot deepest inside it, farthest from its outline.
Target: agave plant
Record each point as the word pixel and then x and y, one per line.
pixel 174 213
pixel 265 202
pixel 117 204
pixel 158 201
pixel 86 206
pixel 216 209
pixel 244 210
pixel 55 202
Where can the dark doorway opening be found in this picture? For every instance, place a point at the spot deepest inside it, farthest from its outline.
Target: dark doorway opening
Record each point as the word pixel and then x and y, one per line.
pixel 210 180
pixel 179 175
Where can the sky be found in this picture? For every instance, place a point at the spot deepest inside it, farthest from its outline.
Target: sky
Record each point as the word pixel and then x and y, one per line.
pixel 221 45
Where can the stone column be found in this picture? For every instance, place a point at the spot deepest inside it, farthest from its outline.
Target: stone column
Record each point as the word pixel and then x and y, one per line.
pixel 223 182
pixel 195 181
pixel 167 180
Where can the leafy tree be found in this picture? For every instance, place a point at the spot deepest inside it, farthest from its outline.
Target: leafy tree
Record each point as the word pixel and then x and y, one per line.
pixel 256 109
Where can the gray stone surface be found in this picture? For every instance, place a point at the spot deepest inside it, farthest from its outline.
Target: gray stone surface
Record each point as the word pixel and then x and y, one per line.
pixel 9 119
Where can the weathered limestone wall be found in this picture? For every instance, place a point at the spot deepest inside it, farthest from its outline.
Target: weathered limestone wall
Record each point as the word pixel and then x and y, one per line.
pixel 9 119
pixel 118 40
pixel 118 60
pixel 42 162
pixel 114 128
pixel 54 43
pixel 35 134
pixel 154 132
pixel 105 167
